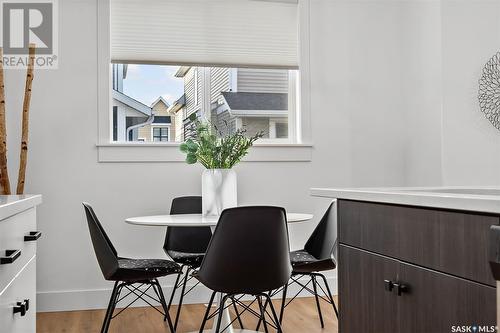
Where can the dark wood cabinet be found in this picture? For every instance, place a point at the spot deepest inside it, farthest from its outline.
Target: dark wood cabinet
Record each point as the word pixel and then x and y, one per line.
pixel 366 306
pixel 436 259
pixel 447 241
pixel 435 301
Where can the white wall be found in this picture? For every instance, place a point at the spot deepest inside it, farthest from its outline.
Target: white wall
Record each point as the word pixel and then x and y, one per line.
pixel 471 145
pixel 360 131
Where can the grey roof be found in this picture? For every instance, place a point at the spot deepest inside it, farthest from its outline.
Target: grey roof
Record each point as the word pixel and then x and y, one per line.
pixel 129 101
pixel 178 104
pixel 256 101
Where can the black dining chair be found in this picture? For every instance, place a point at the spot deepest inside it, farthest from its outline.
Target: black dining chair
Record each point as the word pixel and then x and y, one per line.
pixel 317 256
pixel 131 274
pixel 247 255
pixel 186 246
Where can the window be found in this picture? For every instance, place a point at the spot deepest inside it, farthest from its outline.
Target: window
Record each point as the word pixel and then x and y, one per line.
pixel 252 99
pixel 160 134
pixel 235 52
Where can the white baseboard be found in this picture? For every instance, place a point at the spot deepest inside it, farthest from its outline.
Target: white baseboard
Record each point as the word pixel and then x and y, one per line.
pixel 71 300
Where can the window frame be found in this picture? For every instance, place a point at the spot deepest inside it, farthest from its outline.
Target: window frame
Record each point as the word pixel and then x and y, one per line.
pixel 298 150
pixel 161 126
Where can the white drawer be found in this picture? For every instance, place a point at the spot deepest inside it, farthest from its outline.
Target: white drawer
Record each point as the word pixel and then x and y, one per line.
pixel 12 232
pixel 22 288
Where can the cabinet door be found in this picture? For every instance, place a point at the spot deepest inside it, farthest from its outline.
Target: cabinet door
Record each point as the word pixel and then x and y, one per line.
pixel 434 302
pixel 22 288
pixel 365 305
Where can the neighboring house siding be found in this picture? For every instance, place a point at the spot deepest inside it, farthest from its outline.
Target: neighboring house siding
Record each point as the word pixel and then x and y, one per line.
pixel 262 80
pixel 224 122
pixel 192 105
pixel 254 125
pixel 145 133
pixel 178 126
pixel 219 81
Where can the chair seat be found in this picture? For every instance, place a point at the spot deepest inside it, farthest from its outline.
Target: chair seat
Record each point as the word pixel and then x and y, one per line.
pixel 186 258
pixel 304 262
pixel 143 269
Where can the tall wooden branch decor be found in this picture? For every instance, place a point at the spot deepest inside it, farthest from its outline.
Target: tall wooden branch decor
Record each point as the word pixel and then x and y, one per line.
pixel 25 125
pixel 4 173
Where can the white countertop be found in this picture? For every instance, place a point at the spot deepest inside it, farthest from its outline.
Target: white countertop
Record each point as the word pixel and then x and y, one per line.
pixel 468 198
pixel 13 204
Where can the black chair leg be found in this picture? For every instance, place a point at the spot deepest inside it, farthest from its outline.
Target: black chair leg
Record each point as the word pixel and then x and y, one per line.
pixel 111 308
pixel 273 312
pixel 161 296
pixel 283 302
pixel 315 288
pixel 181 299
pixel 237 313
pixel 221 311
pixel 263 314
pixel 260 319
pixel 330 295
pixel 205 318
pixel 175 287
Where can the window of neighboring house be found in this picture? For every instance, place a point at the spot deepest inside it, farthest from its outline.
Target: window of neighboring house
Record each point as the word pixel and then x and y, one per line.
pixel 160 134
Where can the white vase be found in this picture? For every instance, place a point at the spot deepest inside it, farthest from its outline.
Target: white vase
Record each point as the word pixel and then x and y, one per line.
pixel 218 190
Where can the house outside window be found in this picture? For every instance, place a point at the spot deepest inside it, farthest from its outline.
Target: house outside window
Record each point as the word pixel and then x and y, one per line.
pixel 252 99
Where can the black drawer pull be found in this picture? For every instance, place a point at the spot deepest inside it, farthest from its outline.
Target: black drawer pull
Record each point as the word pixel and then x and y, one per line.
pixel 388 285
pixel 20 308
pixel 10 256
pixel 33 236
pixel 27 304
pixel 401 288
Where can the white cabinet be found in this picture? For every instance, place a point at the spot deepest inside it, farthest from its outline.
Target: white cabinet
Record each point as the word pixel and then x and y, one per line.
pixel 18 239
pixel 20 294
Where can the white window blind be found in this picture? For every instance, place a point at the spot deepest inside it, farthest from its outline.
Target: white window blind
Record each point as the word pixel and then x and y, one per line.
pixel 244 33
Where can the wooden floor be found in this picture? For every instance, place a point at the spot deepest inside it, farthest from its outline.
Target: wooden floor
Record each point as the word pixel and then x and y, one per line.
pixel 300 317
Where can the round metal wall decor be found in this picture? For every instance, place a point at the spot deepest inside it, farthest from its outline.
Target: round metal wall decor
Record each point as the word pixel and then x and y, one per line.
pixel 489 90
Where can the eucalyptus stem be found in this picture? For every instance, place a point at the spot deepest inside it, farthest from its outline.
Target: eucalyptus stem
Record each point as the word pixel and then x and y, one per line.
pixel 214 149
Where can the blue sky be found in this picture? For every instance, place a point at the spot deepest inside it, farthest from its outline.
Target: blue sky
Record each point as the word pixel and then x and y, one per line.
pixel 146 83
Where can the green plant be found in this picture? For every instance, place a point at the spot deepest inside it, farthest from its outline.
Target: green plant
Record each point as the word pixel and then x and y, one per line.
pixel 214 149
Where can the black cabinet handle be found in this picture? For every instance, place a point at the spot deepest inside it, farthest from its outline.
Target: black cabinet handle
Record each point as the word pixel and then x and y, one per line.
pixel 10 256
pixel 20 308
pixel 27 304
pixel 401 288
pixel 388 285
pixel 32 236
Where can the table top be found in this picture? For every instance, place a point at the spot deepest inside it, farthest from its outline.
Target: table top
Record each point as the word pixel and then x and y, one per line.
pixel 197 220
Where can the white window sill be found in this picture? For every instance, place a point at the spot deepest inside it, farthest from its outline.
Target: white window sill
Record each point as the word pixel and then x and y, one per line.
pixel 169 152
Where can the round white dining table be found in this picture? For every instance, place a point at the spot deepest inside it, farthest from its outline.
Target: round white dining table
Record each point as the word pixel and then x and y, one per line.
pixel 198 220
